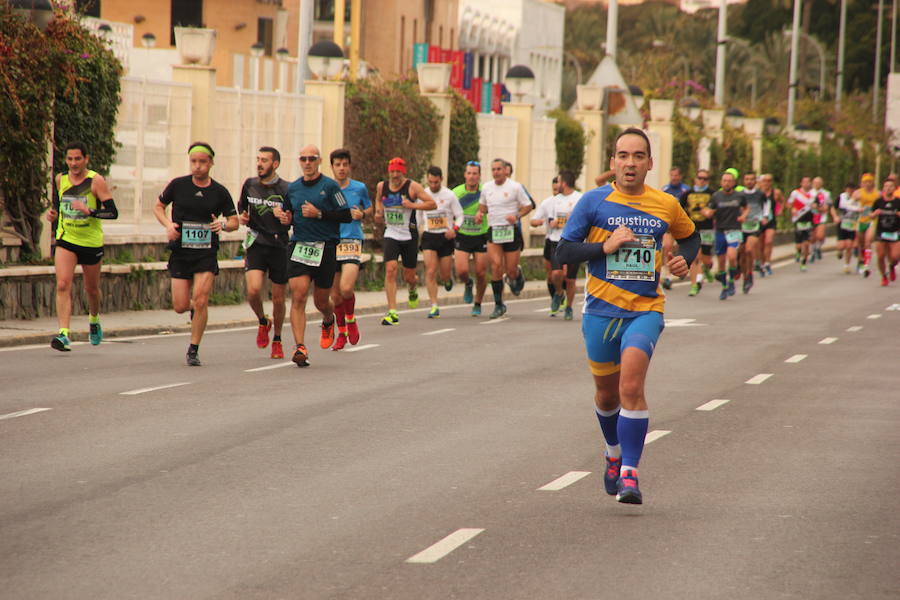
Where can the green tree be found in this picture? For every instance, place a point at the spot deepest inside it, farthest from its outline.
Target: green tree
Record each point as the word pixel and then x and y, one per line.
pixel 464 141
pixel 570 142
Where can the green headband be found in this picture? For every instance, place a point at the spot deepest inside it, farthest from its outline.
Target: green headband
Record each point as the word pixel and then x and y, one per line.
pixel 201 148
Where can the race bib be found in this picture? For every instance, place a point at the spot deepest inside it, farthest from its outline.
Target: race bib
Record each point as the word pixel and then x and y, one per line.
pixel 394 216
pixel 561 220
pixel 634 261
pixel 70 213
pixel 890 236
pixel 734 236
pixel 469 226
pixel 848 224
pixel 251 237
pixel 196 236
pixel 750 226
pixel 707 237
pixel 349 249
pixel 308 253
pixel 803 225
pixel 503 234
pixel 436 222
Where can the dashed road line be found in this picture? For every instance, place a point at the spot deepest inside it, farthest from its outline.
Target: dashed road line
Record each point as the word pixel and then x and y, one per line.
pixel 23 413
pixel 655 435
pixel 855 328
pixel 545 309
pixel 439 331
pixel 796 358
pixel 828 340
pixel 874 316
pixel 439 550
pixel 153 389
pixel 758 379
pixel 363 347
pixel 268 367
pixel 564 481
pixel 712 405
pixel 492 321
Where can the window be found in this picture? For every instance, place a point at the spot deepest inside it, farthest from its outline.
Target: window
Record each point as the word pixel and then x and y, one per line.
pixel 89 8
pixel 264 33
pixel 324 10
pixel 186 13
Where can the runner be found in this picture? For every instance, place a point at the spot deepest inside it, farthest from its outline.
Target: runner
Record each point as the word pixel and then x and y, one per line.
pixel 265 246
pixel 751 227
pixel 728 206
pixel 395 201
pixel 315 208
pixel 83 199
pixel 554 212
pixel 505 202
pixel 618 228
pixel 349 251
pixel 887 239
pixel 848 218
pixel 439 226
pixel 676 188
pixel 197 201
pixel 471 239
pixel 695 201
pixel 803 205
pixel 865 196
pixel 773 207
pixel 825 205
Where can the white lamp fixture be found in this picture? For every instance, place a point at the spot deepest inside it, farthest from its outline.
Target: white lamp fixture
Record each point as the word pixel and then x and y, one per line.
pixel 326 59
pixel 589 97
pixel 434 78
pixel 148 40
pixel 519 81
pixel 257 49
pixel 282 53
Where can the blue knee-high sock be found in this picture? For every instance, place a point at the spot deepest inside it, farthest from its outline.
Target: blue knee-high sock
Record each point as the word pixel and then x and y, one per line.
pixel 632 429
pixel 609 420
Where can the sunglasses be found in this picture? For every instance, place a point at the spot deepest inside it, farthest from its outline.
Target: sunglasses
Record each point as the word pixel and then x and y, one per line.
pixel 309 158
pixel 473 163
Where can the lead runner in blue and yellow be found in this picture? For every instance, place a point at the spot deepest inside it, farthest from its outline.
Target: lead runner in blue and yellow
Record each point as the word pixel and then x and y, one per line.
pixel 618 229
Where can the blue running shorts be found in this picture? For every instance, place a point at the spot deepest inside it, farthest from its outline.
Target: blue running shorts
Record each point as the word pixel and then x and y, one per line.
pixel 605 338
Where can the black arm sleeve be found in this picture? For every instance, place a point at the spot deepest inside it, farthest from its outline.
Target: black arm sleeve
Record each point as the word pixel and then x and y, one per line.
pixel 107 210
pixel 689 246
pixel 341 216
pixel 575 252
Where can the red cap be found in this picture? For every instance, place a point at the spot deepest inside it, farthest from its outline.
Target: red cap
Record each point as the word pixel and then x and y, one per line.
pixel 397 164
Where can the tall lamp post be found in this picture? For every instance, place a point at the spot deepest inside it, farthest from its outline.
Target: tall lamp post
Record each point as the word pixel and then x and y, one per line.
pixel 326 61
pixel 792 76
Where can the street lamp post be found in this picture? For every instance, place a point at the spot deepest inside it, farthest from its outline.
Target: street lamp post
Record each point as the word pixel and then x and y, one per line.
pixel 792 76
pixel 721 41
pixel 839 84
pixel 876 88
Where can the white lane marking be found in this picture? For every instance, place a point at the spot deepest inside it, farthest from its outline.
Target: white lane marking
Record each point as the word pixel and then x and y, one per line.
pixel 758 379
pixel 893 307
pixel 564 481
pixel 267 367
pixel 796 358
pixel 712 405
pixel 547 309
pixel 438 331
pixel 492 321
pixel 153 389
pixel 855 328
pixel 655 435
pixel 875 316
pixel 444 547
pixel 828 340
pixel 363 347
pixel 22 413
pixel 683 323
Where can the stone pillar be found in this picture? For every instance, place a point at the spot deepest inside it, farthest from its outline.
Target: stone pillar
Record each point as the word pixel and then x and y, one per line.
pixel 202 80
pixel 712 123
pixel 444 104
pixel 661 123
pixel 332 95
pixel 588 103
pixel 524 114
pixel 754 128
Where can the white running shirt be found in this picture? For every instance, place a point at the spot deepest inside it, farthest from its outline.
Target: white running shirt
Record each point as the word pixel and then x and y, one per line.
pixel 557 207
pixel 448 214
pixel 503 200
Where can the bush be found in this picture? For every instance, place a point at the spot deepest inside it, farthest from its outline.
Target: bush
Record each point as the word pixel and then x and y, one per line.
pixel 570 142
pixel 686 136
pixel 384 119
pixel 737 149
pixel 465 144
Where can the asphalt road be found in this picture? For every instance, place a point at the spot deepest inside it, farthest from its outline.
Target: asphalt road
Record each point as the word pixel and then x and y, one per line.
pixel 412 469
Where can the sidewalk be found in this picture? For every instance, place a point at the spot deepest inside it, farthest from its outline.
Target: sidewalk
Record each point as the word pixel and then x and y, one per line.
pixel 149 322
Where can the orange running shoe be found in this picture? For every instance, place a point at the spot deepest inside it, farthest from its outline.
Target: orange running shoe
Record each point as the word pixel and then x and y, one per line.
pixel 327 338
pixel 277 350
pixel 352 331
pixel 262 335
pixel 301 356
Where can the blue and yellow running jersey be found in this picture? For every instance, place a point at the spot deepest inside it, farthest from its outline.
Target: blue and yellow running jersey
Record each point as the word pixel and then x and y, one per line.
pixel 626 284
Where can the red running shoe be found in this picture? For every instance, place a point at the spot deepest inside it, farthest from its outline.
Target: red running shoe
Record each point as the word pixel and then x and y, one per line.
pixel 340 341
pixel 277 350
pixel 884 282
pixel 262 335
pixel 352 331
